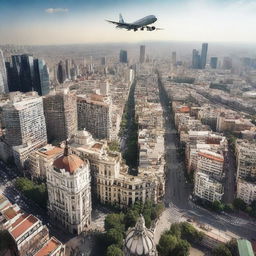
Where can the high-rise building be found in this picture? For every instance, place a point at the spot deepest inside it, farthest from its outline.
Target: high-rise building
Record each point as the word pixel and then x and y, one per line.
pixel 68 67
pixel 61 72
pixel 123 56
pixel 26 73
pixel 41 78
pixel 69 192
pixel 142 53
pixel 103 61
pixel 60 114
pixel 174 60
pixel 227 63
pixel 24 121
pixel 3 75
pixel 94 114
pixel 214 62
pixel 195 59
pixel 204 55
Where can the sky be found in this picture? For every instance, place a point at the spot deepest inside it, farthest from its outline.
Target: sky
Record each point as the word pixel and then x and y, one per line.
pixel 46 22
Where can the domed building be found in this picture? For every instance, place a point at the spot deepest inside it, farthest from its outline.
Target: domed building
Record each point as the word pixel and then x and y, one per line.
pixel 69 192
pixel 139 240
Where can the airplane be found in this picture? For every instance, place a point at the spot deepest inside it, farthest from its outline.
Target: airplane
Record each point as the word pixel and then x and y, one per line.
pixel 139 24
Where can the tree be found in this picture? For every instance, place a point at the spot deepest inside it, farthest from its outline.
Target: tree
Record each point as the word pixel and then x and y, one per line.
pixel 228 208
pixel 232 246
pixel 166 245
pixel 189 233
pixel 239 204
pixel 182 248
pixel 6 241
pixel 113 250
pixel 221 250
pixel 130 218
pixel 114 220
pixel 217 206
pixel 175 230
pixel 114 236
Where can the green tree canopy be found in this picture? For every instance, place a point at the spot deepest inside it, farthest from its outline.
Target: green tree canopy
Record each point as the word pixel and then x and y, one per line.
pixel 182 248
pixel 114 220
pixel 166 244
pixel 239 204
pixel 114 236
pixel 189 233
pixel 221 250
pixel 130 218
pixel 113 250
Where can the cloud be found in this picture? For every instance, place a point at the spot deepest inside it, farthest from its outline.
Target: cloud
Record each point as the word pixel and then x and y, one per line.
pixel 54 10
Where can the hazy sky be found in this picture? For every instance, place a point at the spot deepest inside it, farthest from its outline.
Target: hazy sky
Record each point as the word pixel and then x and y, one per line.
pixel 82 21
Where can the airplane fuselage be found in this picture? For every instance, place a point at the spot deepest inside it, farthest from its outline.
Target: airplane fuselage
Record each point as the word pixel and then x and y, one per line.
pixel 145 21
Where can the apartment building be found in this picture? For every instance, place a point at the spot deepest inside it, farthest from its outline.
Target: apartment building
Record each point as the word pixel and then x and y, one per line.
pixel 208 188
pixel 246 190
pixel 60 114
pixel 95 115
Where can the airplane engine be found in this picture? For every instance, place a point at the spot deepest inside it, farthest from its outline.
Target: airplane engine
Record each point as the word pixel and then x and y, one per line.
pixel 151 28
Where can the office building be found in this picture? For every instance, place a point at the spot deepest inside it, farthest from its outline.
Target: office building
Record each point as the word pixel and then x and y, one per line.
pixel 69 191
pixel 227 63
pixel 142 53
pixel 41 77
pixel 174 60
pixel 103 61
pixel 195 59
pixel 24 120
pixel 68 67
pixel 61 72
pixel 60 114
pixel 123 56
pixel 214 62
pixel 3 75
pixel 95 115
pixel 27 74
pixel 203 55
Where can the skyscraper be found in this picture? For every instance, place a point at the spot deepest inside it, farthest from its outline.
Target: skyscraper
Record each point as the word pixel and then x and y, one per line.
pixel 68 66
pixel 214 62
pixel 123 56
pixel 174 60
pixel 3 74
pixel 195 59
pixel 41 78
pixel 61 72
pixel 204 55
pixel 142 53
pixel 26 73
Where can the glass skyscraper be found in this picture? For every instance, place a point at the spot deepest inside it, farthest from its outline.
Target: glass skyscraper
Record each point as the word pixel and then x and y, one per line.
pixel 3 75
pixel 41 81
pixel 204 55
pixel 123 56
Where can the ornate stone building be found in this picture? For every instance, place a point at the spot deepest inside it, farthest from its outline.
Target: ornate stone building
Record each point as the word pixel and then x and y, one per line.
pixel 111 181
pixel 69 191
pixel 139 240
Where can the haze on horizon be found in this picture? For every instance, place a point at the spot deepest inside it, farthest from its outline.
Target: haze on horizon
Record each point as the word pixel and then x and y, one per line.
pixel 70 22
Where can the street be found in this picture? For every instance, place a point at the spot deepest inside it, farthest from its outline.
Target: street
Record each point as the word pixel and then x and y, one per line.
pixel 178 190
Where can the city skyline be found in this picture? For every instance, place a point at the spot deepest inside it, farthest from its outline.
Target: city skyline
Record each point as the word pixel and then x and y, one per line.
pixel 69 22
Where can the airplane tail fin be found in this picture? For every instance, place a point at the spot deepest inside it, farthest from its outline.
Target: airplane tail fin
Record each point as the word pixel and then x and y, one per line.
pixel 121 20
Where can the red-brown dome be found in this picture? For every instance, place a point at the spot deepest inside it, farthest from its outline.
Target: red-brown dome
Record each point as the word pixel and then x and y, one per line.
pixel 68 162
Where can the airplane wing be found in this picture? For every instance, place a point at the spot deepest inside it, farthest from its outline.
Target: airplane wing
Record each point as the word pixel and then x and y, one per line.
pixel 123 24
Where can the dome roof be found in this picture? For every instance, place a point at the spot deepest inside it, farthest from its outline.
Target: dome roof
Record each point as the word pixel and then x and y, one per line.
pixel 68 162
pixel 139 240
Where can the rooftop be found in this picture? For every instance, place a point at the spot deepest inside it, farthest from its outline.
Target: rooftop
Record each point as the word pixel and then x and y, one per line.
pixel 23 226
pixel 49 247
